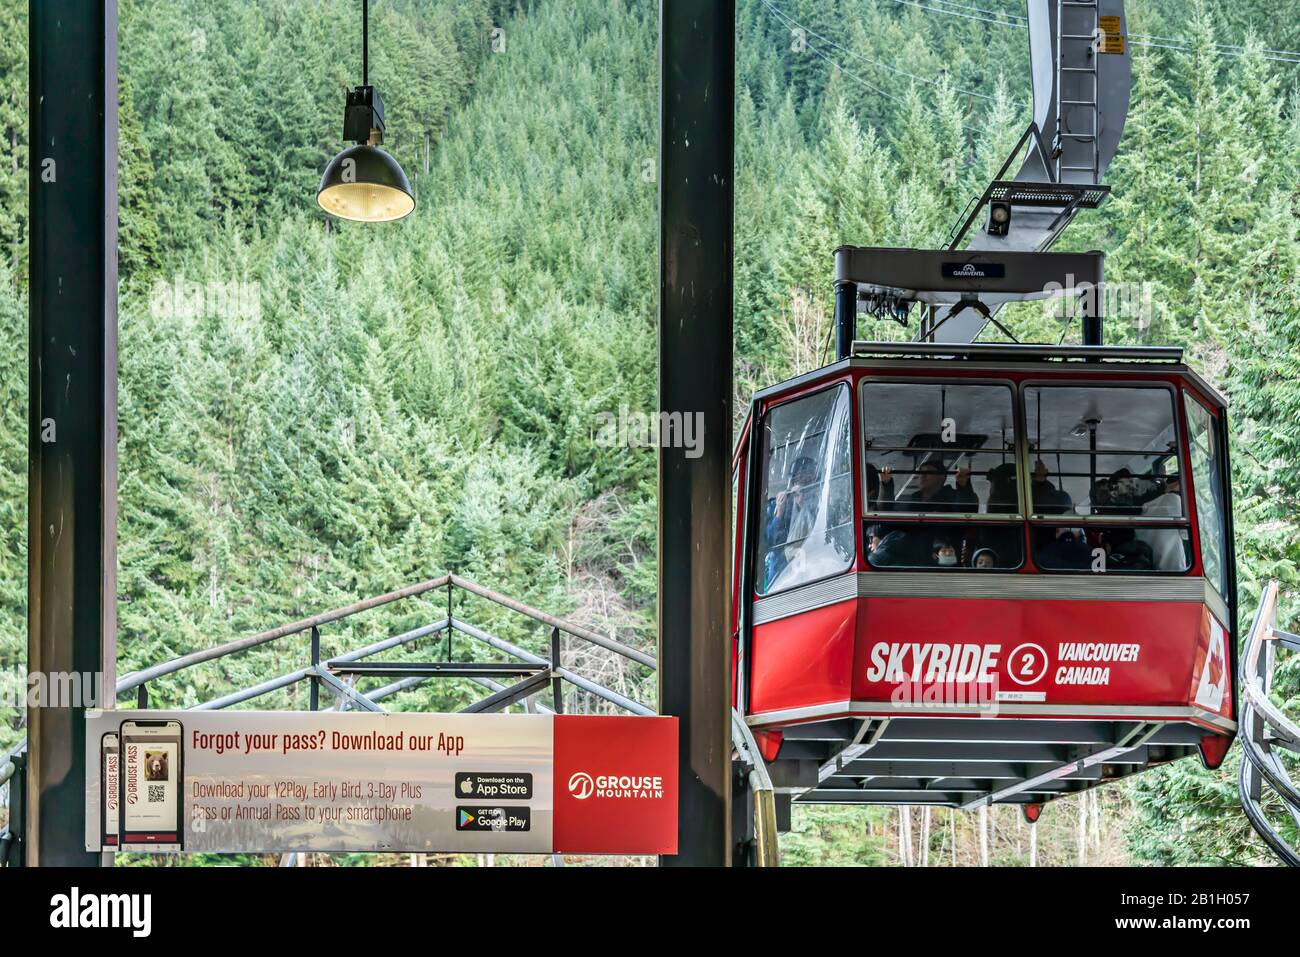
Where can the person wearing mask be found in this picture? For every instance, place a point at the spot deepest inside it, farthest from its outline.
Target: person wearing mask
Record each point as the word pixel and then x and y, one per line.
pixel 932 494
pixel 945 553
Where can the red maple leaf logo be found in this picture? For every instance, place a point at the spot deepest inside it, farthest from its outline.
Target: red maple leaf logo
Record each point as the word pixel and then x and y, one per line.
pixel 1215 665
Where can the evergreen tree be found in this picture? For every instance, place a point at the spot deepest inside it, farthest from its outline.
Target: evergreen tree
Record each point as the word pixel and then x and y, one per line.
pixel 13 132
pixel 13 499
pixel 138 234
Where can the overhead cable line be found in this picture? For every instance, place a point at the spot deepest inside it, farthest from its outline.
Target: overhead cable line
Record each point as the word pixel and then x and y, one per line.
pixel 849 73
pixel 1226 46
pixel 1290 58
pixel 1021 18
pixel 846 71
pixel 1139 39
pixel 866 59
pixel 955 13
pixel 979 9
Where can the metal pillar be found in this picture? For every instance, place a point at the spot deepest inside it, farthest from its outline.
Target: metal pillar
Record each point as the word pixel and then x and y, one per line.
pixel 1093 307
pixel 313 700
pixel 72 481
pixel 697 42
pixel 846 317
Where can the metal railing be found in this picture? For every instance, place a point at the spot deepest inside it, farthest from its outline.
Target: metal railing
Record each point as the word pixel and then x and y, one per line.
pixel 537 673
pixel 324 673
pixel 13 780
pixel 1264 729
pixel 758 815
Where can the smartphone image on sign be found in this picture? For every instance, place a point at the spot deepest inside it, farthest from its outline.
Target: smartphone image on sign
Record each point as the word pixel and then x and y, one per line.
pixel 110 779
pixel 150 793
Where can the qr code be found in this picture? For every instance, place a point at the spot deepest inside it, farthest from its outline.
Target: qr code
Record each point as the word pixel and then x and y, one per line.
pixel 156 793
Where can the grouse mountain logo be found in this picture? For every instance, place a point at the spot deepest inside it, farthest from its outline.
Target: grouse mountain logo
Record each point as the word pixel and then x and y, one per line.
pixel 581 785
pixel 637 786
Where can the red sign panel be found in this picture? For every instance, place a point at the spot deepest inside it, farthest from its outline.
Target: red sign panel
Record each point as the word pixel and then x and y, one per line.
pixel 615 785
pixel 995 653
pixel 989 656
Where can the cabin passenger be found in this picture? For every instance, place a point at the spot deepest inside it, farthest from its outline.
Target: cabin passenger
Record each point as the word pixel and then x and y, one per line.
pixel 1003 499
pixel 944 554
pixel 790 518
pixel 933 494
pixel 1166 544
pixel 1047 498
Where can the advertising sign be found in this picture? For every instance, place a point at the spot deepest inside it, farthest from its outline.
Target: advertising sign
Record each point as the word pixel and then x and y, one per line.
pixel 277 781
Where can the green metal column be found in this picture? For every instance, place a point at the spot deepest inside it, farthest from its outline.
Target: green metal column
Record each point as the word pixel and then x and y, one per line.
pixel 696 143
pixel 72 483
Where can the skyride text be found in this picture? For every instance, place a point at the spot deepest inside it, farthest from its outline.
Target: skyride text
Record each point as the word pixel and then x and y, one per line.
pixel 1079 663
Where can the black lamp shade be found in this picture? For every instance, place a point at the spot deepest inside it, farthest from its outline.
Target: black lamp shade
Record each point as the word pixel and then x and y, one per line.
pixel 366 184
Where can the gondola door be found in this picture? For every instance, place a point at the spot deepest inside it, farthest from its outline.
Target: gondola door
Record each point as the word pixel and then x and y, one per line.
pixel 739 502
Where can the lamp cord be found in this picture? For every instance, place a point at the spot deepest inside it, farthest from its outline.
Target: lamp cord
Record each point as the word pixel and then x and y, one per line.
pixel 365 42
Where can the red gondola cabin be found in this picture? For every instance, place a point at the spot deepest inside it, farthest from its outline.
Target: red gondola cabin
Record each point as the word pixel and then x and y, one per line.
pixel 975 573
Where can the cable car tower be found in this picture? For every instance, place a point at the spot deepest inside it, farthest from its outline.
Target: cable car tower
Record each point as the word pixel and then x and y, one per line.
pixel 973 573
